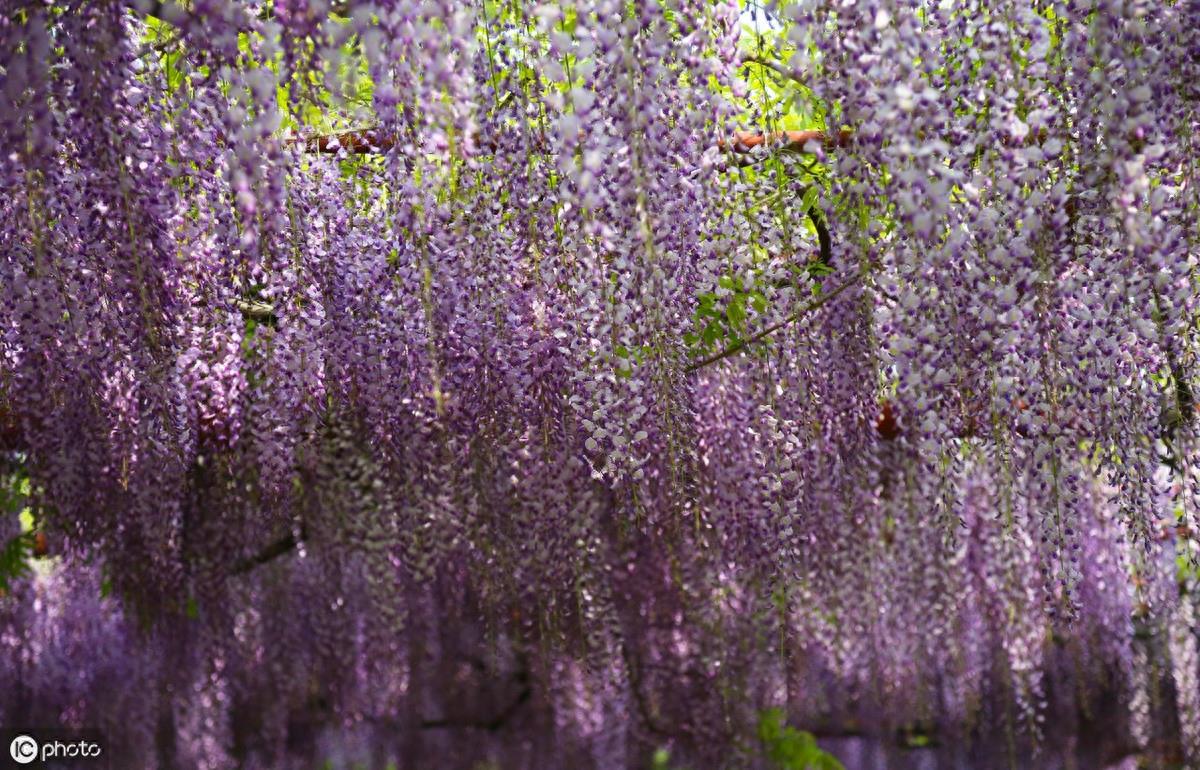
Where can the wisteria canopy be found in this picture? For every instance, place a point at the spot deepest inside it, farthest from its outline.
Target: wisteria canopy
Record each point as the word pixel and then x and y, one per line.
pixel 612 384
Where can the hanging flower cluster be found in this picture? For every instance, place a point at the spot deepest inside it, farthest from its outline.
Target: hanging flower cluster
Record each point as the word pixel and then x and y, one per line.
pixel 439 383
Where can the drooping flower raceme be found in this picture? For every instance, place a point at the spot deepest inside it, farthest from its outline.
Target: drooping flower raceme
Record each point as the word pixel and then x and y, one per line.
pixel 544 384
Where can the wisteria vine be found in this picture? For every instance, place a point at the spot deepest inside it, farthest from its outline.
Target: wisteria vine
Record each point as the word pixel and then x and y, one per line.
pixel 433 383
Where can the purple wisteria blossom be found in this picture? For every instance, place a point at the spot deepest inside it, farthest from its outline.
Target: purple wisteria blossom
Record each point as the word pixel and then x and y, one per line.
pixel 479 385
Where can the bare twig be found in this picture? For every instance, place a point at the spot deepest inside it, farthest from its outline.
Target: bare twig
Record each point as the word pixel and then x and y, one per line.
pixel 823 238
pixel 263 312
pixel 742 344
pixel 491 725
pixel 774 66
pixel 633 671
pixel 280 547
pixel 501 718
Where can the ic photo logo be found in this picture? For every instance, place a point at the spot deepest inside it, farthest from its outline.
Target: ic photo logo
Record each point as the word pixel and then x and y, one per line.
pixel 61 746
pixel 23 749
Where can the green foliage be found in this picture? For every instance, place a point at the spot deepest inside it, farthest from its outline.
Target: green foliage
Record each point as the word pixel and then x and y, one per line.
pixel 721 317
pixel 16 553
pixel 786 747
pixel 14 559
pixel 1187 567
pixel 778 100
pixel 629 358
pixel 792 749
pixel 661 760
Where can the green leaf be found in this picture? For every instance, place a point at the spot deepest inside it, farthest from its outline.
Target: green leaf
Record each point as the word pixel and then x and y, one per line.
pixel 707 306
pixel 826 761
pixel 770 725
pixel 737 311
pixel 14 559
pixel 791 749
pixel 811 198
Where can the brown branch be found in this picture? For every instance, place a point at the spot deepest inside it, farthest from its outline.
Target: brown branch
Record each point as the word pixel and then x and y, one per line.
pixel 376 139
pixel 823 239
pixel 633 671
pixel 742 344
pixel 359 141
pixel 779 69
pixel 263 312
pixel 272 551
pixel 501 718
pixel 792 141
pixel 491 725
